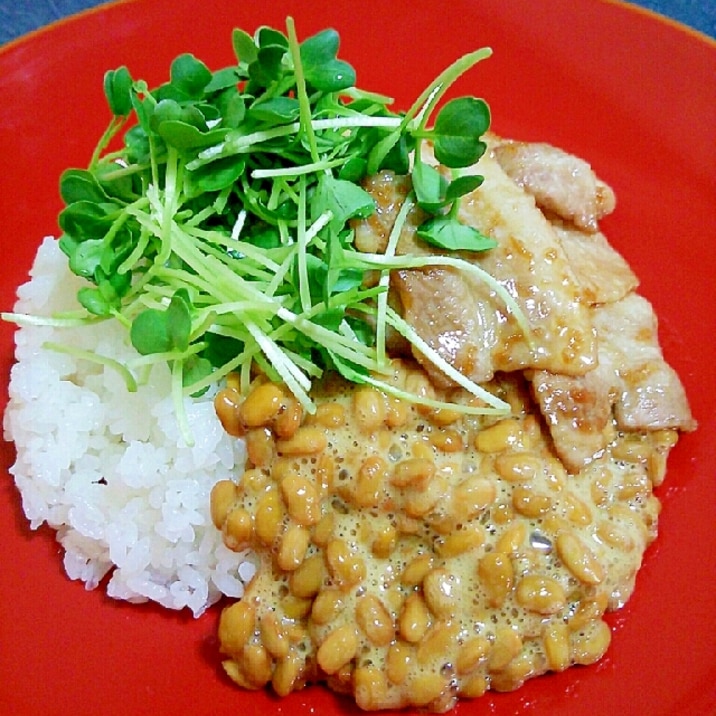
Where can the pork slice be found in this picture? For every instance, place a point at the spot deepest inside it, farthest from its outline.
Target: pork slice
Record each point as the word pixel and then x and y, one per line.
pixel 560 182
pixel 460 321
pixel 461 317
pixel 389 191
pixel 532 266
pixel 578 412
pixel 650 393
pixel 632 388
pixel 601 270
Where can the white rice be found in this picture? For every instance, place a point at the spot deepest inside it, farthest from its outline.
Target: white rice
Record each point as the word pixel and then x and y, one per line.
pixel 108 469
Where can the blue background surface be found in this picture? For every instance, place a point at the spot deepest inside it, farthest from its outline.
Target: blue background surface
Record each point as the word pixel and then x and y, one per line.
pixel 18 17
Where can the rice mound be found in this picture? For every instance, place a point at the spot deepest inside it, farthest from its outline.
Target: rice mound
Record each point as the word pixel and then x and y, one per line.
pixel 108 469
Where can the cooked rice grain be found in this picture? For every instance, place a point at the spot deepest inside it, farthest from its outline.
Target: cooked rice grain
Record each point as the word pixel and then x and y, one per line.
pixel 109 470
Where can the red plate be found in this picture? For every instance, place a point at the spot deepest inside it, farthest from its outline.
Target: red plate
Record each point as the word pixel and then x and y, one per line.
pixel 630 92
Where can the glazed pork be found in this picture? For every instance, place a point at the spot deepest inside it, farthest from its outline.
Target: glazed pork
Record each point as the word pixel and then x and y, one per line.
pixel 561 183
pixel 461 317
pixel 592 355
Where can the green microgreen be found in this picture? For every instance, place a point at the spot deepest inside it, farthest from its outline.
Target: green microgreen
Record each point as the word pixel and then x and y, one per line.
pixel 220 233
